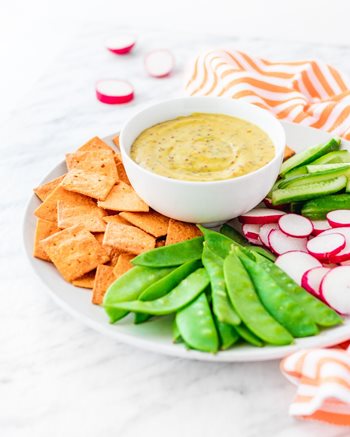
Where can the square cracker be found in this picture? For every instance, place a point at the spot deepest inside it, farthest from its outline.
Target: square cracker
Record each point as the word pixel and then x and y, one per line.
pixel 48 209
pixel 90 160
pixel 74 251
pixel 180 231
pixel 151 222
pixel 128 238
pixel 42 191
pixel 43 230
pixel 104 278
pixel 85 281
pixel 122 197
pixel 123 264
pixel 88 215
pixel 95 144
pixel 288 153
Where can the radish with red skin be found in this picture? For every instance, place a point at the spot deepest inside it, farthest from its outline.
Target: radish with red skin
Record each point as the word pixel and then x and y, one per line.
pixel 255 241
pixel 335 289
pixel 261 216
pixel 264 233
pixel 121 44
pixel 114 92
pixel 339 218
pixel 268 203
pixel 251 231
pixel 324 247
pixel 295 225
pixel 311 280
pixel 159 63
pixel 319 226
pixel 281 243
pixel 296 263
pixel 344 254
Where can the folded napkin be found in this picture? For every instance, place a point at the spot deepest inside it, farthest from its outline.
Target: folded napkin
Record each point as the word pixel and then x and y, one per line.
pixel 317 95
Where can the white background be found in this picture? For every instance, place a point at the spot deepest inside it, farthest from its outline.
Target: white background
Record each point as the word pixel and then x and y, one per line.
pixel 34 32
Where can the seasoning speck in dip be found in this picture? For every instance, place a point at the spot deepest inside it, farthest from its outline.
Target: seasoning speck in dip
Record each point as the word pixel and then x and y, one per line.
pixel 203 147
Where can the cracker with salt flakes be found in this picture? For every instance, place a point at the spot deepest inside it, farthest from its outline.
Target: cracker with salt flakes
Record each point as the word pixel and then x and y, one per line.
pixel 123 264
pixel 128 238
pixel 43 230
pixel 122 197
pixel 85 281
pixel 104 278
pixel 74 251
pixel 95 144
pixel 89 215
pixel 180 231
pixel 151 222
pixel 42 191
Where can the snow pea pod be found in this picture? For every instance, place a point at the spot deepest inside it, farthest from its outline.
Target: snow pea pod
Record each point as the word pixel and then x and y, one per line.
pixel 188 289
pixel 222 306
pixel 172 255
pixel 218 243
pixel 248 306
pixel 129 287
pixel 278 302
pixel 227 334
pixel 197 327
pixel 248 336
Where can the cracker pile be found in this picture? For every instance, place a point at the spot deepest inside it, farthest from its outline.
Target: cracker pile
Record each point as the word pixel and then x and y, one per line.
pixel 91 223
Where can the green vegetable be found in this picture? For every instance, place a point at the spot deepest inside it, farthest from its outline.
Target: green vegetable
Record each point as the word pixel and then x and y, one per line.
pixel 278 302
pixel 298 171
pixel 295 207
pixel 347 188
pixel 227 334
pixel 188 289
pixel 234 235
pixel 327 168
pixel 317 209
pixel 172 255
pixel 248 336
pixel 313 177
pixel 248 306
pixel 218 243
pixel 309 155
pixel 176 333
pixel 333 157
pixel 305 192
pixel 128 287
pixel 222 307
pixel 263 251
pixel 196 325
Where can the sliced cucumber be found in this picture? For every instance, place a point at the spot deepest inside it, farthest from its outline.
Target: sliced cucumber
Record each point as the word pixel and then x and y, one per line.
pixel 336 157
pixel 309 191
pixel 296 172
pixel 347 188
pixel 317 209
pixel 320 176
pixel 327 167
pixel 310 155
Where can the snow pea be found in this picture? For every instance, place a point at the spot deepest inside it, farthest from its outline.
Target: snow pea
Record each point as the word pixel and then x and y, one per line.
pixel 227 334
pixel 319 312
pixel 278 302
pixel 248 336
pixel 248 306
pixel 222 306
pixel 172 255
pixel 218 243
pixel 188 289
pixel 196 325
pixel 128 287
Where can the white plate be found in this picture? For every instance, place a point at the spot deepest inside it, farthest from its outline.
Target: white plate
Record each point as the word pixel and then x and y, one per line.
pixel 155 335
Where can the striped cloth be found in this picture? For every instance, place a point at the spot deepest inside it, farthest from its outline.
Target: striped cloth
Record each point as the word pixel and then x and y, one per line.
pixel 307 92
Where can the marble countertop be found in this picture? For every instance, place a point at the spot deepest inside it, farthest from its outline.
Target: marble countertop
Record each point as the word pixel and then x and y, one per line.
pixel 60 378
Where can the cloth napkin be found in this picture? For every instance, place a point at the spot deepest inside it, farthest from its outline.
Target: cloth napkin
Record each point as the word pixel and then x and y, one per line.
pixel 314 94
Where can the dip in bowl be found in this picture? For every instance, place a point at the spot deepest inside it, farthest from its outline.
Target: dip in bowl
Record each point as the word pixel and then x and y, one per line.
pixel 202 175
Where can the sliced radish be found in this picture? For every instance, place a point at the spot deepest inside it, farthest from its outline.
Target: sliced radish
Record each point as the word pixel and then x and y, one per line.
pixel 268 203
pixel 344 254
pixel 260 216
pixel 159 63
pixel 296 263
pixel 319 226
pixel 114 91
pixel 311 279
pixel 295 225
pixel 339 218
pixel 335 289
pixel 264 233
pixel 324 247
pixel 255 241
pixel 251 231
pixel 120 44
pixel 281 243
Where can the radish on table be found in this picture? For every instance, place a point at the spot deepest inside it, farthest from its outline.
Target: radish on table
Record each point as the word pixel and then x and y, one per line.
pixel 113 91
pixel 121 44
pixel 159 63
pixel 335 289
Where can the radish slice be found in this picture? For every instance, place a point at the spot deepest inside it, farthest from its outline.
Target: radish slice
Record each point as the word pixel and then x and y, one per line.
pixel 319 226
pixel 311 279
pixel 324 247
pixel 343 255
pixel 280 243
pixel 339 218
pixel 114 91
pixel 268 203
pixel 296 263
pixel 255 241
pixel 159 63
pixel 251 231
pixel 264 233
pixel 260 216
pixel 335 289
pixel 121 44
pixel 295 225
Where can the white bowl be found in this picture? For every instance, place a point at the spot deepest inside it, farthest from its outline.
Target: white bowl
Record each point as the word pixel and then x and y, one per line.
pixel 202 202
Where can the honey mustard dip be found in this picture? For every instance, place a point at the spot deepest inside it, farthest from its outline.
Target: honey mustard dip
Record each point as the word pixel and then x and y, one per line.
pixel 203 147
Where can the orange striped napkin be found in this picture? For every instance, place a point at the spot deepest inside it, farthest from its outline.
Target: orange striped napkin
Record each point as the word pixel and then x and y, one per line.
pixel 307 92
pixel 317 95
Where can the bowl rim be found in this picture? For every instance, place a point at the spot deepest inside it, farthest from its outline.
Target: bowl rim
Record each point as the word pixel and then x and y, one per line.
pixel 278 154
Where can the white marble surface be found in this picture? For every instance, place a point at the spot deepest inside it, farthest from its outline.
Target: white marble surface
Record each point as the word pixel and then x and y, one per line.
pixel 59 378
